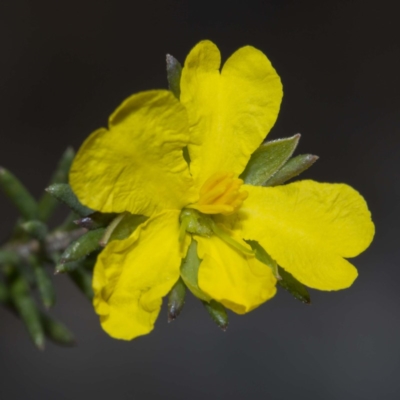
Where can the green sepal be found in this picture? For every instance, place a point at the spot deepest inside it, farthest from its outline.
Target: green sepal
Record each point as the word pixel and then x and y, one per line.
pixel 193 221
pixel 127 226
pixel 83 246
pixel 268 159
pixel 18 194
pixel 284 278
pixel 35 229
pixel 48 203
pixel 176 300
pixel 44 284
pixel 174 72
pixel 217 313
pixel 292 168
pixel 69 223
pixel 8 257
pixel 56 331
pixel 264 257
pixel 64 193
pixel 190 270
pixel 83 280
pixel 293 286
pixel 95 221
pixel 27 310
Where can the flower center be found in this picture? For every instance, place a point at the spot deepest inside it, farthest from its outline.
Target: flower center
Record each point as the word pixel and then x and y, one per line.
pixel 220 194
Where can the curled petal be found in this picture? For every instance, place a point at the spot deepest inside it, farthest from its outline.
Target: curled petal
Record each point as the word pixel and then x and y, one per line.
pixel 137 164
pixel 132 275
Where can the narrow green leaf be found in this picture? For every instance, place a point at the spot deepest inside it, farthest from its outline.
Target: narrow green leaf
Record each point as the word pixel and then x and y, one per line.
pixel 53 329
pixel 69 223
pixel 64 193
pixel 190 271
pixel 292 168
pixel 18 195
pixel 176 300
pixel 217 313
pixel 26 308
pixel 83 246
pixel 95 221
pixel 44 284
pixel 86 263
pixel 83 280
pixel 56 331
pixel 264 257
pixel 174 71
pixel 8 257
pixel 36 229
pixel 293 286
pixel 268 159
pixel 48 203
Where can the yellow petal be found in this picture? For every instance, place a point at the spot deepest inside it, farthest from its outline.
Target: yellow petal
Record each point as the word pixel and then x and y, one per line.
pixel 241 283
pixel 308 227
pixel 132 275
pixel 136 165
pixel 230 113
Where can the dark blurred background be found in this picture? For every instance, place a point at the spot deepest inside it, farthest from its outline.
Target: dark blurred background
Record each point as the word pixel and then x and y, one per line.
pixel 66 65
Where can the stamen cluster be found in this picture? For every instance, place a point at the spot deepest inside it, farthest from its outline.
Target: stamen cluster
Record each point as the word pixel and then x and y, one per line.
pixel 220 194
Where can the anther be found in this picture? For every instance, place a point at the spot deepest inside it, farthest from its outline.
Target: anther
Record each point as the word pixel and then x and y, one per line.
pixel 220 194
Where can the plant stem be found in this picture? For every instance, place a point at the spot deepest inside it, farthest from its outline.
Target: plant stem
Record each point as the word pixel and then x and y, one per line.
pixel 55 242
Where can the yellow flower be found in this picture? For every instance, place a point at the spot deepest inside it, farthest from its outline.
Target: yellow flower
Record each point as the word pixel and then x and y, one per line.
pixel 137 166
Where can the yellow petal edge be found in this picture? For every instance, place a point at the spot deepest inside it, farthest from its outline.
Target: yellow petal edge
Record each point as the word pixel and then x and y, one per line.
pixel 137 164
pixel 241 283
pixel 230 112
pixel 308 228
pixel 131 276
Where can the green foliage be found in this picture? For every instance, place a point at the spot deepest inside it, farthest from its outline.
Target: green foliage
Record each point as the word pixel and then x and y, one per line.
pixel 176 300
pixel 64 193
pixel 291 169
pixel 264 257
pixel 27 309
pixel 217 313
pixel 293 286
pixel 271 165
pixel 83 246
pixel 56 331
pixel 174 71
pixel 43 281
pixel 268 159
pixel 190 271
pixel 48 203
pixel 83 280
pixel 35 229
pixel 8 257
pixel 285 279
pixel 127 226
pixel 33 245
pixel 19 195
